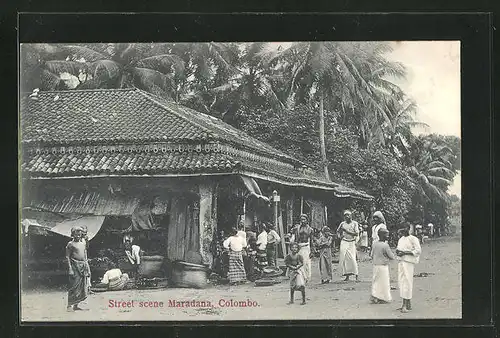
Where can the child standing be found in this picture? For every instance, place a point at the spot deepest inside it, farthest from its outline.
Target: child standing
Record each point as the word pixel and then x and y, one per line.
pixel 408 252
pixel 381 255
pixel 295 263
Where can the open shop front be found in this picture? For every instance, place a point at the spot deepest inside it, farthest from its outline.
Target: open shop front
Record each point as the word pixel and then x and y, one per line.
pixel 161 219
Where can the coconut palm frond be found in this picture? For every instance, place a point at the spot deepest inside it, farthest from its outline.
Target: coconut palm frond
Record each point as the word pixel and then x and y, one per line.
pixel 437 180
pixel 49 81
pixel 435 192
pixel 440 163
pixel 227 87
pixel 152 78
pixel 88 54
pixel 163 63
pixel 58 67
pixel 390 68
pixel 442 171
pixel 104 70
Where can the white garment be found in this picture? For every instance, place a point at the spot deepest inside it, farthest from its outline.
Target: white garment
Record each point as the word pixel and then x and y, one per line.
pixel 235 243
pixel 134 257
pixel 273 237
pixel 347 258
pixel 110 275
pixel 305 252
pixel 262 240
pixel 381 287
pixel 409 243
pixel 242 234
pixel 375 230
pixel 431 228
pixel 405 279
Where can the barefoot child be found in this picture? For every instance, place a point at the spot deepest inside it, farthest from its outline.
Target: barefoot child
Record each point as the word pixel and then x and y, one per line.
pixel 408 252
pixel 381 255
pixel 295 264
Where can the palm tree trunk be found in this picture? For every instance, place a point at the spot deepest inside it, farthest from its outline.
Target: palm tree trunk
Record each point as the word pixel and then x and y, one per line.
pixel 322 135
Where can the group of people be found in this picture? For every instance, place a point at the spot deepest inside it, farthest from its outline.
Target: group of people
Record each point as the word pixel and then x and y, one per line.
pixel 350 232
pixel 79 268
pixel 237 256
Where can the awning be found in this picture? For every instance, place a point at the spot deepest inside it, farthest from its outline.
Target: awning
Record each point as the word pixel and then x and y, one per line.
pixel 93 224
pixel 253 188
pixel 90 203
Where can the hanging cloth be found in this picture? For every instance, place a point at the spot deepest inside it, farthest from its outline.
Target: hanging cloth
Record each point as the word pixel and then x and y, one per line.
pixel 253 188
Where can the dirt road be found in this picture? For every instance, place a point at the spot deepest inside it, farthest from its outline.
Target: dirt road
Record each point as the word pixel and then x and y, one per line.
pixel 436 296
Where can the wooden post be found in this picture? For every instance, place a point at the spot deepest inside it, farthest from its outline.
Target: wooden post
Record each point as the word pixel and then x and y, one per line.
pixel 289 212
pixel 206 221
pixel 279 225
pixel 301 205
pixel 244 212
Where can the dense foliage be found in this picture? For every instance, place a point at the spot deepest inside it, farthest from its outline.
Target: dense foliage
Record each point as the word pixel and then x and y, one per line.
pixel 331 104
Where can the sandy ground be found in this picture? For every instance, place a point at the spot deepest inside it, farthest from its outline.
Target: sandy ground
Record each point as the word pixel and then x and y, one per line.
pixel 435 296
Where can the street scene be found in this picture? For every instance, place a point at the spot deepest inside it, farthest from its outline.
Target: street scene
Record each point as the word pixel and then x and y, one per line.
pixel 240 181
pixel 436 296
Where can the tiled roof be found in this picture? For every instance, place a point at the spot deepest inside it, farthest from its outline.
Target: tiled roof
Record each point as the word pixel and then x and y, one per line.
pixel 125 163
pixel 124 115
pixel 91 132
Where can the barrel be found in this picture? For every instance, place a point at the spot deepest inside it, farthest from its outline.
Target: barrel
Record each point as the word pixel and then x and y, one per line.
pixel 189 275
pixel 151 266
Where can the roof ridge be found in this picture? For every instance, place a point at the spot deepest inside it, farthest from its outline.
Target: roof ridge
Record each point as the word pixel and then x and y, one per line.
pixel 152 99
pixel 83 90
pixel 215 120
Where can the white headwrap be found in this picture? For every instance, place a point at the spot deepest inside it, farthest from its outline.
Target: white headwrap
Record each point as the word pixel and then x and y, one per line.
pixel 379 215
pixel 128 238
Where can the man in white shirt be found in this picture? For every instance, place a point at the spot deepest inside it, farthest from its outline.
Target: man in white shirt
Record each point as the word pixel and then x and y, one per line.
pixel 272 241
pixel 261 247
pixel 431 229
pixel 236 244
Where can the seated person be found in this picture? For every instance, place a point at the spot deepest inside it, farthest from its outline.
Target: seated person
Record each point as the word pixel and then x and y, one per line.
pixel 113 279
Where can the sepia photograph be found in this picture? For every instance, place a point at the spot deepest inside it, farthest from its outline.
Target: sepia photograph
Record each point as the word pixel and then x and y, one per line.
pixel 230 181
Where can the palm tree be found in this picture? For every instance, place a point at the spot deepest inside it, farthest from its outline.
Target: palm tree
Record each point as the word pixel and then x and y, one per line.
pixel 251 83
pixel 41 67
pixel 432 169
pixel 348 77
pixel 113 65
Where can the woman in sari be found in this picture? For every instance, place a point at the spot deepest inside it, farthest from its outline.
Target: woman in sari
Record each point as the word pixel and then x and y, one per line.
pixel 324 245
pixel 349 232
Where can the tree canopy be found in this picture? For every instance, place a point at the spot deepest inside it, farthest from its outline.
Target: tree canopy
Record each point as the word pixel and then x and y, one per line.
pixel 334 105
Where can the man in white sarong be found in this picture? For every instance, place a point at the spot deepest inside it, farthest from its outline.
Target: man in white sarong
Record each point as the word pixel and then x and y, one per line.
pixel 348 231
pixel 301 234
pixel 381 255
pixel 408 252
